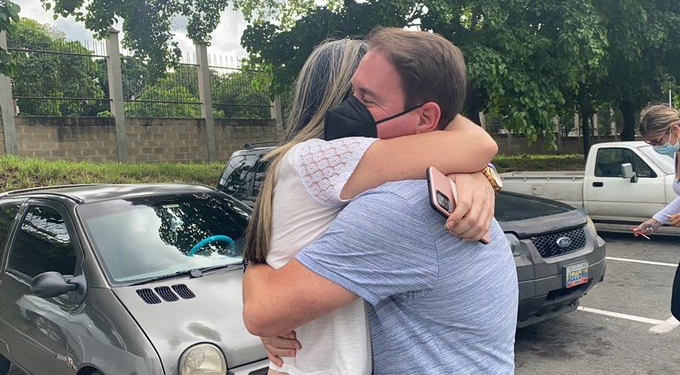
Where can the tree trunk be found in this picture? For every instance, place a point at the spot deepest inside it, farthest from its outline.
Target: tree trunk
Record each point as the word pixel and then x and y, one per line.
pixel 472 106
pixel 585 128
pixel 628 112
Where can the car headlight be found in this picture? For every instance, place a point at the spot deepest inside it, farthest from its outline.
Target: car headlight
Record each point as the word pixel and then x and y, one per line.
pixel 202 359
pixel 590 226
pixel 514 244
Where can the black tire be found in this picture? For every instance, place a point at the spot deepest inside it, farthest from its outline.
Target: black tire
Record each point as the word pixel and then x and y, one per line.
pixel 4 365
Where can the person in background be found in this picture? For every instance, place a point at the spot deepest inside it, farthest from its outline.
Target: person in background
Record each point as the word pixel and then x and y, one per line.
pixel 660 127
pixel 448 305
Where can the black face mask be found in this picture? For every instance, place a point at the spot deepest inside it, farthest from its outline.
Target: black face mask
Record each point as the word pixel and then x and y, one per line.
pixel 352 119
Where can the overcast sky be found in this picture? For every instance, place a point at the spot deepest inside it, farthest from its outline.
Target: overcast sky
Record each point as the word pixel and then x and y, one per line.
pixel 225 44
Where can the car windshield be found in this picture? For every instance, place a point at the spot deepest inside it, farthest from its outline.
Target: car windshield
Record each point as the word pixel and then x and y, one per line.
pixel 143 238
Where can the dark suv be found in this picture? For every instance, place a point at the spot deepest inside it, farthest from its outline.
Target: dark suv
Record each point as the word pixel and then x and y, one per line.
pixel 558 254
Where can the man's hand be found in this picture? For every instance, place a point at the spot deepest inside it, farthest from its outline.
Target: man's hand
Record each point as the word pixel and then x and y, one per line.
pixel 474 211
pixel 285 345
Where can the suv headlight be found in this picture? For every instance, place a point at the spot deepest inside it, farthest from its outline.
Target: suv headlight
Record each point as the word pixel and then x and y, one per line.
pixel 514 244
pixel 202 359
pixel 590 226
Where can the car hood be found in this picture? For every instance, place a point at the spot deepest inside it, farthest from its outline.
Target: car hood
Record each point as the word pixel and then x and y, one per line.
pixel 525 215
pixel 180 312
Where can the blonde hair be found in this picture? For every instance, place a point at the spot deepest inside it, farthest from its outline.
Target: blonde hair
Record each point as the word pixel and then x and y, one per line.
pixel 656 119
pixel 323 83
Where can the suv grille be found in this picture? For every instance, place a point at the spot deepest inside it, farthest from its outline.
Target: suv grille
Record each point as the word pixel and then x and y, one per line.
pixel 548 245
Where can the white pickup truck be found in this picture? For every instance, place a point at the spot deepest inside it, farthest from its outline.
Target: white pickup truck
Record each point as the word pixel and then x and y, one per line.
pixel 624 184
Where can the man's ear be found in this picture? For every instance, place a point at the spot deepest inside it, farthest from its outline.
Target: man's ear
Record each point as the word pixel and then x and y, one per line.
pixel 429 115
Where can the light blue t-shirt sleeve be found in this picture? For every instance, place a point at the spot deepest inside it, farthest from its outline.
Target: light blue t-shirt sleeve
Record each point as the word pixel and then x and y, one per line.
pixel 377 247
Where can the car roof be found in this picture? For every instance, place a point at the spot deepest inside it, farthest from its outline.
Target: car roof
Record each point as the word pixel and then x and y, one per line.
pixel 101 192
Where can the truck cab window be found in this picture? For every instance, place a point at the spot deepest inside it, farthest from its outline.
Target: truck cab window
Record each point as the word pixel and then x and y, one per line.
pixel 609 160
pixel 42 244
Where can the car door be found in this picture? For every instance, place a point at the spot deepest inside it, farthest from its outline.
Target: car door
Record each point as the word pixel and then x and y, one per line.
pixel 610 197
pixel 37 328
pixel 9 208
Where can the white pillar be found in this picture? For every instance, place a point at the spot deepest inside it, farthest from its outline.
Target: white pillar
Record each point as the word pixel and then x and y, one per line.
pixel 7 108
pixel 206 98
pixel 116 93
pixel 277 111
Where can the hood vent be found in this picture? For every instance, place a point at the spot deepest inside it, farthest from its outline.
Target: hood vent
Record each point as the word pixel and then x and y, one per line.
pixel 168 294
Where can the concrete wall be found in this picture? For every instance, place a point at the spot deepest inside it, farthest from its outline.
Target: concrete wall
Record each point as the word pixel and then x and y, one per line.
pixel 93 139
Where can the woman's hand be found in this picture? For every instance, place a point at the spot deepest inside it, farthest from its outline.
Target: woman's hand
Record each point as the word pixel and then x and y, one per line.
pixel 281 346
pixel 647 227
pixel 674 220
pixel 471 219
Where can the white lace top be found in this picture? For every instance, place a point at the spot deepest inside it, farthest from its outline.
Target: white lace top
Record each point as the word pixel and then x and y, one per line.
pixel 309 180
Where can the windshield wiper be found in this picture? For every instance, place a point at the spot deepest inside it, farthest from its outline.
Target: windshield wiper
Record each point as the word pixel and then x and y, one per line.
pixel 193 273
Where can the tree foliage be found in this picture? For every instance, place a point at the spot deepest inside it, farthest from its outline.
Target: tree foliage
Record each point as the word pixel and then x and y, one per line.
pixel 529 62
pixel 9 15
pixel 52 67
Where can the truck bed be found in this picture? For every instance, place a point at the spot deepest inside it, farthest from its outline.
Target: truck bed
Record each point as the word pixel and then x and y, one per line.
pixel 563 186
pixel 543 175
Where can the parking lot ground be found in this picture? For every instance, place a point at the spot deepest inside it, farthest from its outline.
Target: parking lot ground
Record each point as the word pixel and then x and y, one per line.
pixel 623 326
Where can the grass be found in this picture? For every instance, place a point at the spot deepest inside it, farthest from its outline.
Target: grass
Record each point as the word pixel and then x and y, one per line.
pixel 19 173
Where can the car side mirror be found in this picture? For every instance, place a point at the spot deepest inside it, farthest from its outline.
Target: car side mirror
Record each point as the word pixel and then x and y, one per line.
pixel 52 284
pixel 628 173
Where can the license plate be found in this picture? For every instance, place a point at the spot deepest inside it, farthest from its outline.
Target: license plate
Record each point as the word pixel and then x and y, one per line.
pixel 576 274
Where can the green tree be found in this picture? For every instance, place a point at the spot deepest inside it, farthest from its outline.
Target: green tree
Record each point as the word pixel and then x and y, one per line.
pixel 52 67
pixel 523 56
pixel 9 15
pixel 642 55
pixel 234 96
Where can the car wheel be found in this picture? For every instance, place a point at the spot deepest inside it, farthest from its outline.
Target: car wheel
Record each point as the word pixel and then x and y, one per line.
pixel 96 373
pixel 4 365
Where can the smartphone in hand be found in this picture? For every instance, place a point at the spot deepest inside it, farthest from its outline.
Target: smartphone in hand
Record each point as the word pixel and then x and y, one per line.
pixel 444 195
pixel 442 191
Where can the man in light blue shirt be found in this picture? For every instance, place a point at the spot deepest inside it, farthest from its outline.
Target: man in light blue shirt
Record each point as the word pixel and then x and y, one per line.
pixel 435 302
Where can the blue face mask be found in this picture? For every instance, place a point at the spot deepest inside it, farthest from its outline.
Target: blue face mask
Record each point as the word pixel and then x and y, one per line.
pixel 668 148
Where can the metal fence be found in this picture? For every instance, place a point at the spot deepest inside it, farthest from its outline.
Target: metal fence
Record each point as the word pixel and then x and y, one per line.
pixel 69 78
pixel 63 78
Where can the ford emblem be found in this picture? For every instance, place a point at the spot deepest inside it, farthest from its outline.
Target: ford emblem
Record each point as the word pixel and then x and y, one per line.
pixel 563 242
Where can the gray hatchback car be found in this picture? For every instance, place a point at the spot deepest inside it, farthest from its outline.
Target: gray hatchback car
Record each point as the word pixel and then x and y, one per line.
pixel 124 279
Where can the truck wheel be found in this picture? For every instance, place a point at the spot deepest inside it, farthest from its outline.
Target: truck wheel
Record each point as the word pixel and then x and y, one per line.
pixel 4 365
